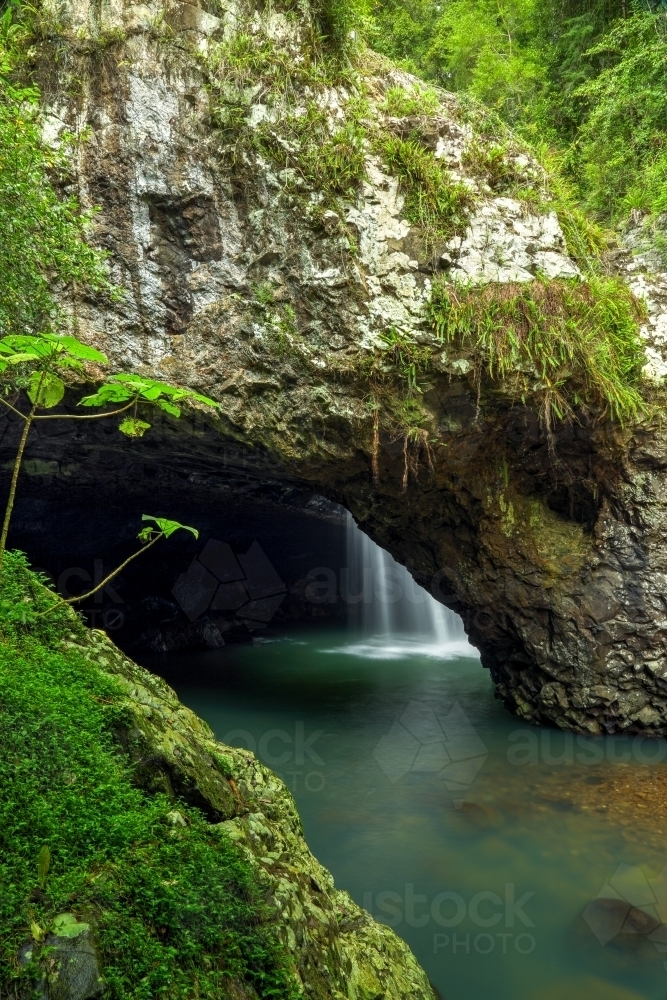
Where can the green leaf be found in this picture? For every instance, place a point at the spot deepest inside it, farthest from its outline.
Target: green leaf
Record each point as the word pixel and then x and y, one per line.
pixel 107 394
pixel 152 393
pixel 43 864
pixel 45 390
pixel 205 399
pixel 19 343
pixel 169 527
pixel 66 925
pixel 169 407
pixel 76 349
pixel 133 428
pixel 19 359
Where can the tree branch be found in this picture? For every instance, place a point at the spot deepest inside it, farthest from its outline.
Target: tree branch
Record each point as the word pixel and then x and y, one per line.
pixel 80 416
pixel 115 572
pixel 13 409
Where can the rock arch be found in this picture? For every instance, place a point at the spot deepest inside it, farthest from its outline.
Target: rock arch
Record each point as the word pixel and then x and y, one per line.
pixel 242 284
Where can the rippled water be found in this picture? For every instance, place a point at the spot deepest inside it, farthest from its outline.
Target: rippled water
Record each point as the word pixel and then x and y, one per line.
pixel 479 839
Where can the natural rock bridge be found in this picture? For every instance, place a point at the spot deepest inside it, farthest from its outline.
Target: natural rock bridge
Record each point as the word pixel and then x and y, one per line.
pixel 242 283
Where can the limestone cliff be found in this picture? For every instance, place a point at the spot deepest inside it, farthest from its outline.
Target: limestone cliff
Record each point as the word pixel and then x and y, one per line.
pixel 267 243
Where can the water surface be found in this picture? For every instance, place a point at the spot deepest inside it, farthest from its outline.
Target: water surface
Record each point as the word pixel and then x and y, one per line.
pixel 479 839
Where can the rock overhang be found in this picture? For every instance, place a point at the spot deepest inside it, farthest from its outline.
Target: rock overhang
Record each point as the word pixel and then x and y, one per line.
pixel 248 285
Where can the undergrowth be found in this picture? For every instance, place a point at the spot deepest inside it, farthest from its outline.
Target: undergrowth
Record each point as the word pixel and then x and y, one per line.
pixel 324 158
pixel 44 236
pixel 433 200
pixel 176 909
pixel 563 345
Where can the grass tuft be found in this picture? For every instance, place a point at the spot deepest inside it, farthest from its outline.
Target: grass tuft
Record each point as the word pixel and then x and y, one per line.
pixel 433 199
pixel 327 158
pixel 566 344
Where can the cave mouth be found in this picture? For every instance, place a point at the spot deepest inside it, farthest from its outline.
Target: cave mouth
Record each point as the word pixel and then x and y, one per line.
pixel 397 763
pixel 266 560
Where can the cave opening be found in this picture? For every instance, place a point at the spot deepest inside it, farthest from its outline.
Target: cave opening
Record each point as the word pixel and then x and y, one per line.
pixel 397 754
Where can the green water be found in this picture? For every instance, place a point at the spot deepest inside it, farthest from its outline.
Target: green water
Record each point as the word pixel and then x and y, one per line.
pixel 469 839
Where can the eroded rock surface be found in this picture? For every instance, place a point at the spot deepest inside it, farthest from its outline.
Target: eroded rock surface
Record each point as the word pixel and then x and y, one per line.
pixel 554 556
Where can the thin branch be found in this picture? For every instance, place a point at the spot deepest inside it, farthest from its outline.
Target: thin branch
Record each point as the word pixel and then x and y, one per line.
pixel 82 416
pixel 100 586
pixel 15 475
pixel 13 408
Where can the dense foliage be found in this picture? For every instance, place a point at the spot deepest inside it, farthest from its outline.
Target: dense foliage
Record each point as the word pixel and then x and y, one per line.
pixel 42 233
pixel 177 910
pixel 559 344
pixel 586 77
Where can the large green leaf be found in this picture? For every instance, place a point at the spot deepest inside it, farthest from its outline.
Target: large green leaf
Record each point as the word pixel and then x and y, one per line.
pixel 106 395
pixel 76 349
pixel 169 527
pixel 66 925
pixel 23 342
pixel 168 407
pixel 123 387
pixel 45 389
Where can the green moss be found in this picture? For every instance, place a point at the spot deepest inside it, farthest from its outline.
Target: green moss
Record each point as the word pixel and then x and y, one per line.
pixel 176 909
pixel 561 344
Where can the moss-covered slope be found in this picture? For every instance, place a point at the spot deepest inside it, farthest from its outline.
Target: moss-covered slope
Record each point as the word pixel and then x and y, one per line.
pixel 185 858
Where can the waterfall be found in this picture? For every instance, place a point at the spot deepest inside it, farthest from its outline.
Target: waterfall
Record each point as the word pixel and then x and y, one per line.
pixel 389 610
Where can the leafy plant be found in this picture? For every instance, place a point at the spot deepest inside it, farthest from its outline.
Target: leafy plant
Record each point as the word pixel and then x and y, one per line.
pixel 43 236
pixel 408 359
pixel 565 344
pixel 324 156
pixel 402 103
pixel 38 365
pixel 433 199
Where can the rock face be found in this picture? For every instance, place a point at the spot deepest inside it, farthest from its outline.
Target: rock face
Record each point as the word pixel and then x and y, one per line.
pixel 337 948
pixel 244 281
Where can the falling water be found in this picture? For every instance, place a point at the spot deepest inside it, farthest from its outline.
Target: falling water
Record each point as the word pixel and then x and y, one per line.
pixel 391 612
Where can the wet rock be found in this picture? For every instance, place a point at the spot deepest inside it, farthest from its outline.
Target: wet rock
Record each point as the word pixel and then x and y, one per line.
pixel 66 963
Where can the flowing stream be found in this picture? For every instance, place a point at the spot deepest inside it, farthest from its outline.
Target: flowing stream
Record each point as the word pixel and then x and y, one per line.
pixel 508 857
